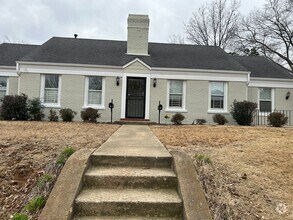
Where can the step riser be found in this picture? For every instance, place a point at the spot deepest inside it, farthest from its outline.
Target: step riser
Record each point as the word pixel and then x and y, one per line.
pixel 104 160
pixel 131 182
pixel 133 209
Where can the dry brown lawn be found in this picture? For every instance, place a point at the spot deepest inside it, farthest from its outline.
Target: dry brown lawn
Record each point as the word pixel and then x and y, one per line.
pixel 27 147
pixel 251 175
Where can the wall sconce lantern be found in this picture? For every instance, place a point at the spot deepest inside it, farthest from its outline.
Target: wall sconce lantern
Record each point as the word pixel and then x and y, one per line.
pixel 154 82
pixel 117 81
pixel 287 95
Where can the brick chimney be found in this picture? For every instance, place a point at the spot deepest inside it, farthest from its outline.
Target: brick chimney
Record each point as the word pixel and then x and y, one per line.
pixel 138 34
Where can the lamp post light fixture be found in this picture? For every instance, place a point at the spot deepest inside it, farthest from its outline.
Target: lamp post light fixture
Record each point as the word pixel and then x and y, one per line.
pixel 154 82
pixel 117 81
pixel 287 95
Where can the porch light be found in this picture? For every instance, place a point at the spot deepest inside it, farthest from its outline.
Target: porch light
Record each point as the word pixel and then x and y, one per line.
pixel 154 82
pixel 117 81
pixel 287 95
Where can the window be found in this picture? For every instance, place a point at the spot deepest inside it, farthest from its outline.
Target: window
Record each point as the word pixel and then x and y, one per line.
pixel 94 94
pixel 176 94
pixel 265 99
pixel 3 87
pixel 50 90
pixel 218 97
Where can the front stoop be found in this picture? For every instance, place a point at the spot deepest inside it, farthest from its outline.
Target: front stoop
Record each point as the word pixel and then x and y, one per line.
pixel 129 187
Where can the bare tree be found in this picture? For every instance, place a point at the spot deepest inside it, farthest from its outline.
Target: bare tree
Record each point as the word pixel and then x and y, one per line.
pixel 176 39
pixel 8 39
pixel 270 30
pixel 214 24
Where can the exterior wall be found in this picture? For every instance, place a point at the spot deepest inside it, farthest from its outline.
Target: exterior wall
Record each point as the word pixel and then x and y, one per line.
pixel 30 84
pixel 197 100
pixel 13 85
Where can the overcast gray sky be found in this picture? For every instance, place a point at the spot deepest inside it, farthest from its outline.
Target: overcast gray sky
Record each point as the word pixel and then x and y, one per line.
pixel 35 21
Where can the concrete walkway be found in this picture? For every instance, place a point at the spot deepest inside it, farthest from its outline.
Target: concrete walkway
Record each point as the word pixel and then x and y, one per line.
pixel 133 140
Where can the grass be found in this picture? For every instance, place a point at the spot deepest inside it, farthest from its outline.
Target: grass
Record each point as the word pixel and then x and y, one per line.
pixel 35 204
pixel 251 172
pixel 65 154
pixel 45 179
pixel 20 216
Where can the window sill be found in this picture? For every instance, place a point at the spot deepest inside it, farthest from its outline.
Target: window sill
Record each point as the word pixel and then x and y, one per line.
pixel 94 106
pixel 217 111
pixel 175 110
pixel 50 105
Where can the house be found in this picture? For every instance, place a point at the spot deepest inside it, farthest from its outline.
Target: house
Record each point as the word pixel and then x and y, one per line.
pixel 197 81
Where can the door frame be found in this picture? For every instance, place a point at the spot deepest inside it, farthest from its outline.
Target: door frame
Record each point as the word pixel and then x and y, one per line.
pixel 140 78
pixel 147 93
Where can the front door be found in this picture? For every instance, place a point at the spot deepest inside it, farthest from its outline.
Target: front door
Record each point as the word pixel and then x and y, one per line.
pixel 135 97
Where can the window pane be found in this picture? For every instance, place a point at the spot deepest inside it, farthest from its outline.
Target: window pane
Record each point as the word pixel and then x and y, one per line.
pixel 265 94
pixel 217 102
pixel 175 101
pixel 95 97
pixel 217 88
pixel 51 81
pixel 176 86
pixel 265 106
pixel 95 83
pixel 51 95
pixel 3 82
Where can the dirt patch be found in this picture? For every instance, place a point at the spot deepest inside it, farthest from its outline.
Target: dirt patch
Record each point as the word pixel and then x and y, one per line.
pixel 27 147
pixel 251 172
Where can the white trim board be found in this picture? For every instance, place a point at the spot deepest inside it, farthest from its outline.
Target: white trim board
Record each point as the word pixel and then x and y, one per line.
pixel 136 60
pixel 271 84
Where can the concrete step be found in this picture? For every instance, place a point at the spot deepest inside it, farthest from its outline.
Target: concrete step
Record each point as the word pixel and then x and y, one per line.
pixel 130 177
pixel 123 218
pixel 133 161
pixel 133 202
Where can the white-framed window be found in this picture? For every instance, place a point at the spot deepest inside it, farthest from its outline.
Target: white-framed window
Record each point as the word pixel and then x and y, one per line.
pixel 94 92
pixel 218 97
pixel 266 103
pixel 51 90
pixel 3 87
pixel 176 95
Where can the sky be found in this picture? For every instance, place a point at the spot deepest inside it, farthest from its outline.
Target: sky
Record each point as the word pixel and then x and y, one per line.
pixel 36 21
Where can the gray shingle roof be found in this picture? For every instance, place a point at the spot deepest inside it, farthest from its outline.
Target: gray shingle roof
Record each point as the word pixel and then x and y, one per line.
pixel 106 52
pixel 9 53
pixel 263 68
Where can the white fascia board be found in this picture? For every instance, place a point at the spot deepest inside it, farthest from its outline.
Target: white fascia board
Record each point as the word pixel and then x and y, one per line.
pixel 87 70
pixel 8 71
pixel 271 83
pixel 203 76
pixel 137 60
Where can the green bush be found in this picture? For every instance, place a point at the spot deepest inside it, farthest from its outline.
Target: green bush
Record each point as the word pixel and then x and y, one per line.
pixel 19 216
pixel 66 153
pixel 90 115
pixel 67 114
pixel 242 112
pixel 177 119
pixel 53 115
pixel 277 119
pixel 35 204
pixel 220 119
pixel 35 109
pixel 46 178
pixel 14 107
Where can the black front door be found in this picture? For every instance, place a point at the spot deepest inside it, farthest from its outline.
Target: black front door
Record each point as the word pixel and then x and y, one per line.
pixel 135 97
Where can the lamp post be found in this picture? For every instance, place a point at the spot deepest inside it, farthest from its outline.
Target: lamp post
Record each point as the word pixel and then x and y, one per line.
pixel 160 107
pixel 111 106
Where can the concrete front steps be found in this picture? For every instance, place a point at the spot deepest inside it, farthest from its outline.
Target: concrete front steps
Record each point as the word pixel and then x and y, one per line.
pixel 128 187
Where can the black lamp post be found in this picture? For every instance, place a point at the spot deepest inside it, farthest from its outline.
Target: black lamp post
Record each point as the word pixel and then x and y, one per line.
pixel 111 106
pixel 160 107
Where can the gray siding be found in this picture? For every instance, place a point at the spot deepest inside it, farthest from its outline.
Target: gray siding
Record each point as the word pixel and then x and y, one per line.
pixel 30 85
pixel 13 85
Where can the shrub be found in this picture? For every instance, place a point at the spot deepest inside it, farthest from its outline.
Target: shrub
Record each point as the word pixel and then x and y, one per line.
pixel 14 107
pixel 53 115
pixel 277 119
pixel 177 118
pixel 90 115
pixel 203 159
pixel 242 112
pixel 67 114
pixel 35 109
pixel 35 204
pixel 220 119
pixel 66 153
pixel 19 216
